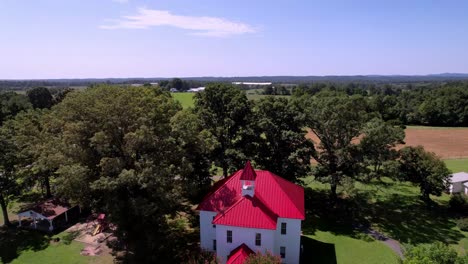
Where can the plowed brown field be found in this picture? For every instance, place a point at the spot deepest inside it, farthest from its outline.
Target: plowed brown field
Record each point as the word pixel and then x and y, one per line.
pixel 448 143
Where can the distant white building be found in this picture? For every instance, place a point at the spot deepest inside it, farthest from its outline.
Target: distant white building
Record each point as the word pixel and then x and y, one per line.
pixel 173 90
pixel 196 90
pixel 252 83
pixel 252 211
pixel 459 183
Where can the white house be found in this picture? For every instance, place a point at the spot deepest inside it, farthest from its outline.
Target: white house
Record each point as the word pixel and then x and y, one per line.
pixel 459 183
pixel 252 211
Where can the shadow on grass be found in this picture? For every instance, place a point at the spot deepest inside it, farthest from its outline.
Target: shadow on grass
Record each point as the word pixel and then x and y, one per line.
pixel 402 217
pixel 13 241
pixel 314 251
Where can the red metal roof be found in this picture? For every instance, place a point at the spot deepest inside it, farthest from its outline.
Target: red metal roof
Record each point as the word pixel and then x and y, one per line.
pixel 248 173
pixel 248 212
pixel 284 198
pixel 239 255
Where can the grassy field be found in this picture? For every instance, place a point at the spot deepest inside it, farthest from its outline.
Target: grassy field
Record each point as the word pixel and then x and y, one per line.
pixel 185 99
pixel 326 247
pixel 392 208
pixel 457 165
pixel 24 247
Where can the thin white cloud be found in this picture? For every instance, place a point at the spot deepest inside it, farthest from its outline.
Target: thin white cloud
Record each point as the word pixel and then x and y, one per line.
pixel 121 1
pixel 201 26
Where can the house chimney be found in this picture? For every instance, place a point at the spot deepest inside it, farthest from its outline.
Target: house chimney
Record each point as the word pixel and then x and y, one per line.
pixel 247 180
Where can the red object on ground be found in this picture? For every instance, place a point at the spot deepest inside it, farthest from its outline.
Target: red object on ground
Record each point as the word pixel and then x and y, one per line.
pixel 239 254
pixel 101 216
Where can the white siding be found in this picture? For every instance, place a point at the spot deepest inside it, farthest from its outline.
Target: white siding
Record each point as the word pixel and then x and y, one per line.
pixel 458 187
pixel 207 231
pixel 292 240
pixel 242 235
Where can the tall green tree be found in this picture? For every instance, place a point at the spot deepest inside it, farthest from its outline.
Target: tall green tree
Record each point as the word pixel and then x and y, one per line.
pixel 11 104
pixel 40 97
pixel 120 156
pixel 282 144
pixel 9 186
pixel 424 169
pixel 336 120
pixel 378 145
pixel 37 156
pixel 225 112
pixel 197 145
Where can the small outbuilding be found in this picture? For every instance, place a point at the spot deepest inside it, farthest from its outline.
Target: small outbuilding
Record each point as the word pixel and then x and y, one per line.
pixel 459 183
pixel 49 214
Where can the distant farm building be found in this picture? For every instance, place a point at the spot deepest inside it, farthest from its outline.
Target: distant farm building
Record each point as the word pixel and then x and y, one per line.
pixel 252 83
pixel 459 183
pixel 196 90
pixel 252 211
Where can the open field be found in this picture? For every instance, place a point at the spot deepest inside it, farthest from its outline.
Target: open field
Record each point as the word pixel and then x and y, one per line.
pixel 457 165
pixel 446 142
pixel 185 99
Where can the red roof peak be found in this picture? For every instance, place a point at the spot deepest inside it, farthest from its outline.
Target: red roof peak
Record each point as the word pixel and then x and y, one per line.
pixel 248 173
pixel 239 255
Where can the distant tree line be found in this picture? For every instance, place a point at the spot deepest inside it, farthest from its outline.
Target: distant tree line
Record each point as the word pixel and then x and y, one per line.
pixel 432 104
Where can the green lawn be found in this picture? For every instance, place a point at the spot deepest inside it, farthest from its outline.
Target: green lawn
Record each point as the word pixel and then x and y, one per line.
pixel 29 247
pixel 326 247
pixel 185 99
pixel 457 165
pixel 392 208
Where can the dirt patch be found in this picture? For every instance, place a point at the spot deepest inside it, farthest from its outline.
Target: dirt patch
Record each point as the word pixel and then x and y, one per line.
pixel 447 143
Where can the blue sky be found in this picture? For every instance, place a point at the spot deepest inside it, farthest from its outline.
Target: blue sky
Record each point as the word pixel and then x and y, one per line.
pixel 168 38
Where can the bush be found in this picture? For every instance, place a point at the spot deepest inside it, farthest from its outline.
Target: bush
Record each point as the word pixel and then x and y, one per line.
pixel 463 224
pixel 459 203
pixel 260 258
pixel 437 253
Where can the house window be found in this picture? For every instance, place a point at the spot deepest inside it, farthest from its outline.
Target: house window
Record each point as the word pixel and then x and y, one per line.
pixel 283 252
pixel 214 226
pixel 283 228
pixel 229 236
pixel 258 239
pixel 214 244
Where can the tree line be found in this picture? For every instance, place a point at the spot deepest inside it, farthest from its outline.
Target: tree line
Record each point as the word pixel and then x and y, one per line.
pixel 431 104
pixel 134 153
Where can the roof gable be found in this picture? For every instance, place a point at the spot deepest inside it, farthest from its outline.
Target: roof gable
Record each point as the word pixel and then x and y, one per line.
pixel 248 212
pixel 239 254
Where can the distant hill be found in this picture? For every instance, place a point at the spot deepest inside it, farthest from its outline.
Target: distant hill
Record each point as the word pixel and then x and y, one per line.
pixel 442 77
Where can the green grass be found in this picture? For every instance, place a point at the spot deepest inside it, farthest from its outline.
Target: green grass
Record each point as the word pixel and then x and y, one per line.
pixel 392 208
pixel 457 165
pixel 185 99
pixel 345 249
pixel 23 246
